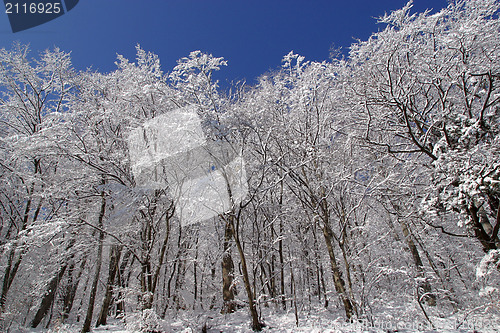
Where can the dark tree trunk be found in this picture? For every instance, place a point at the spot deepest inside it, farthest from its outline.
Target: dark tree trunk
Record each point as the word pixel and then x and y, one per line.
pixel 484 232
pixel 90 310
pixel 122 282
pixel 282 267
pixel 71 288
pixel 48 297
pixel 114 259
pixel 256 324
pixel 337 277
pixel 13 265
pixel 227 272
pixel 424 285
pixel 280 250
pixel 8 277
pixel 162 252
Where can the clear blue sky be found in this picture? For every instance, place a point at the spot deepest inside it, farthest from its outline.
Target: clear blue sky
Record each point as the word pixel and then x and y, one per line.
pixel 253 35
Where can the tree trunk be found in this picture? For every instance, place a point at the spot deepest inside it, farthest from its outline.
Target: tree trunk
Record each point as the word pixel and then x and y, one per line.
pixel 483 229
pixel 114 259
pixel 179 271
pixel 48 297
pixel 343 247
pixel 422 284
pixel 294 293
pixel 280 250
pixel 71 288
pixel 320 273
pixel 195 276
pixel 256 324
pixel 8 278
pixel 337 276
pixel 122 282
pixel 90 310
pixel 13 267
pixel 227 272
pixel 162 252
pixel 146 273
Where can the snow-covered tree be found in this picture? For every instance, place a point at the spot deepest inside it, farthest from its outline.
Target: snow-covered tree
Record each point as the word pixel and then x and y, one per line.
pixel 35 92
pixel 427 89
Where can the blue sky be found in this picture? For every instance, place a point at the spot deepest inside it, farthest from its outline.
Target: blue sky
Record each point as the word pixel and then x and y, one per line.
pixel 252 35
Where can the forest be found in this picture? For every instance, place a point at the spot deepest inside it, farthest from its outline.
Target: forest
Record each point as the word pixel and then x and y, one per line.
pixel 371 195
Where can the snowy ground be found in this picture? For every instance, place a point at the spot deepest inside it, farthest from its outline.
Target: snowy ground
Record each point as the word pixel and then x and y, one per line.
pixel 318 321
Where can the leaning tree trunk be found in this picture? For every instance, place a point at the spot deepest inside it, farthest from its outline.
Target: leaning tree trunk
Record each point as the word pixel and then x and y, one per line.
pixel 483 230
pixel 51 289
pixel 337 277
pixel 423 285
pixel 256 324
pixel 10 273
pixel 13 265
pixel 48 297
